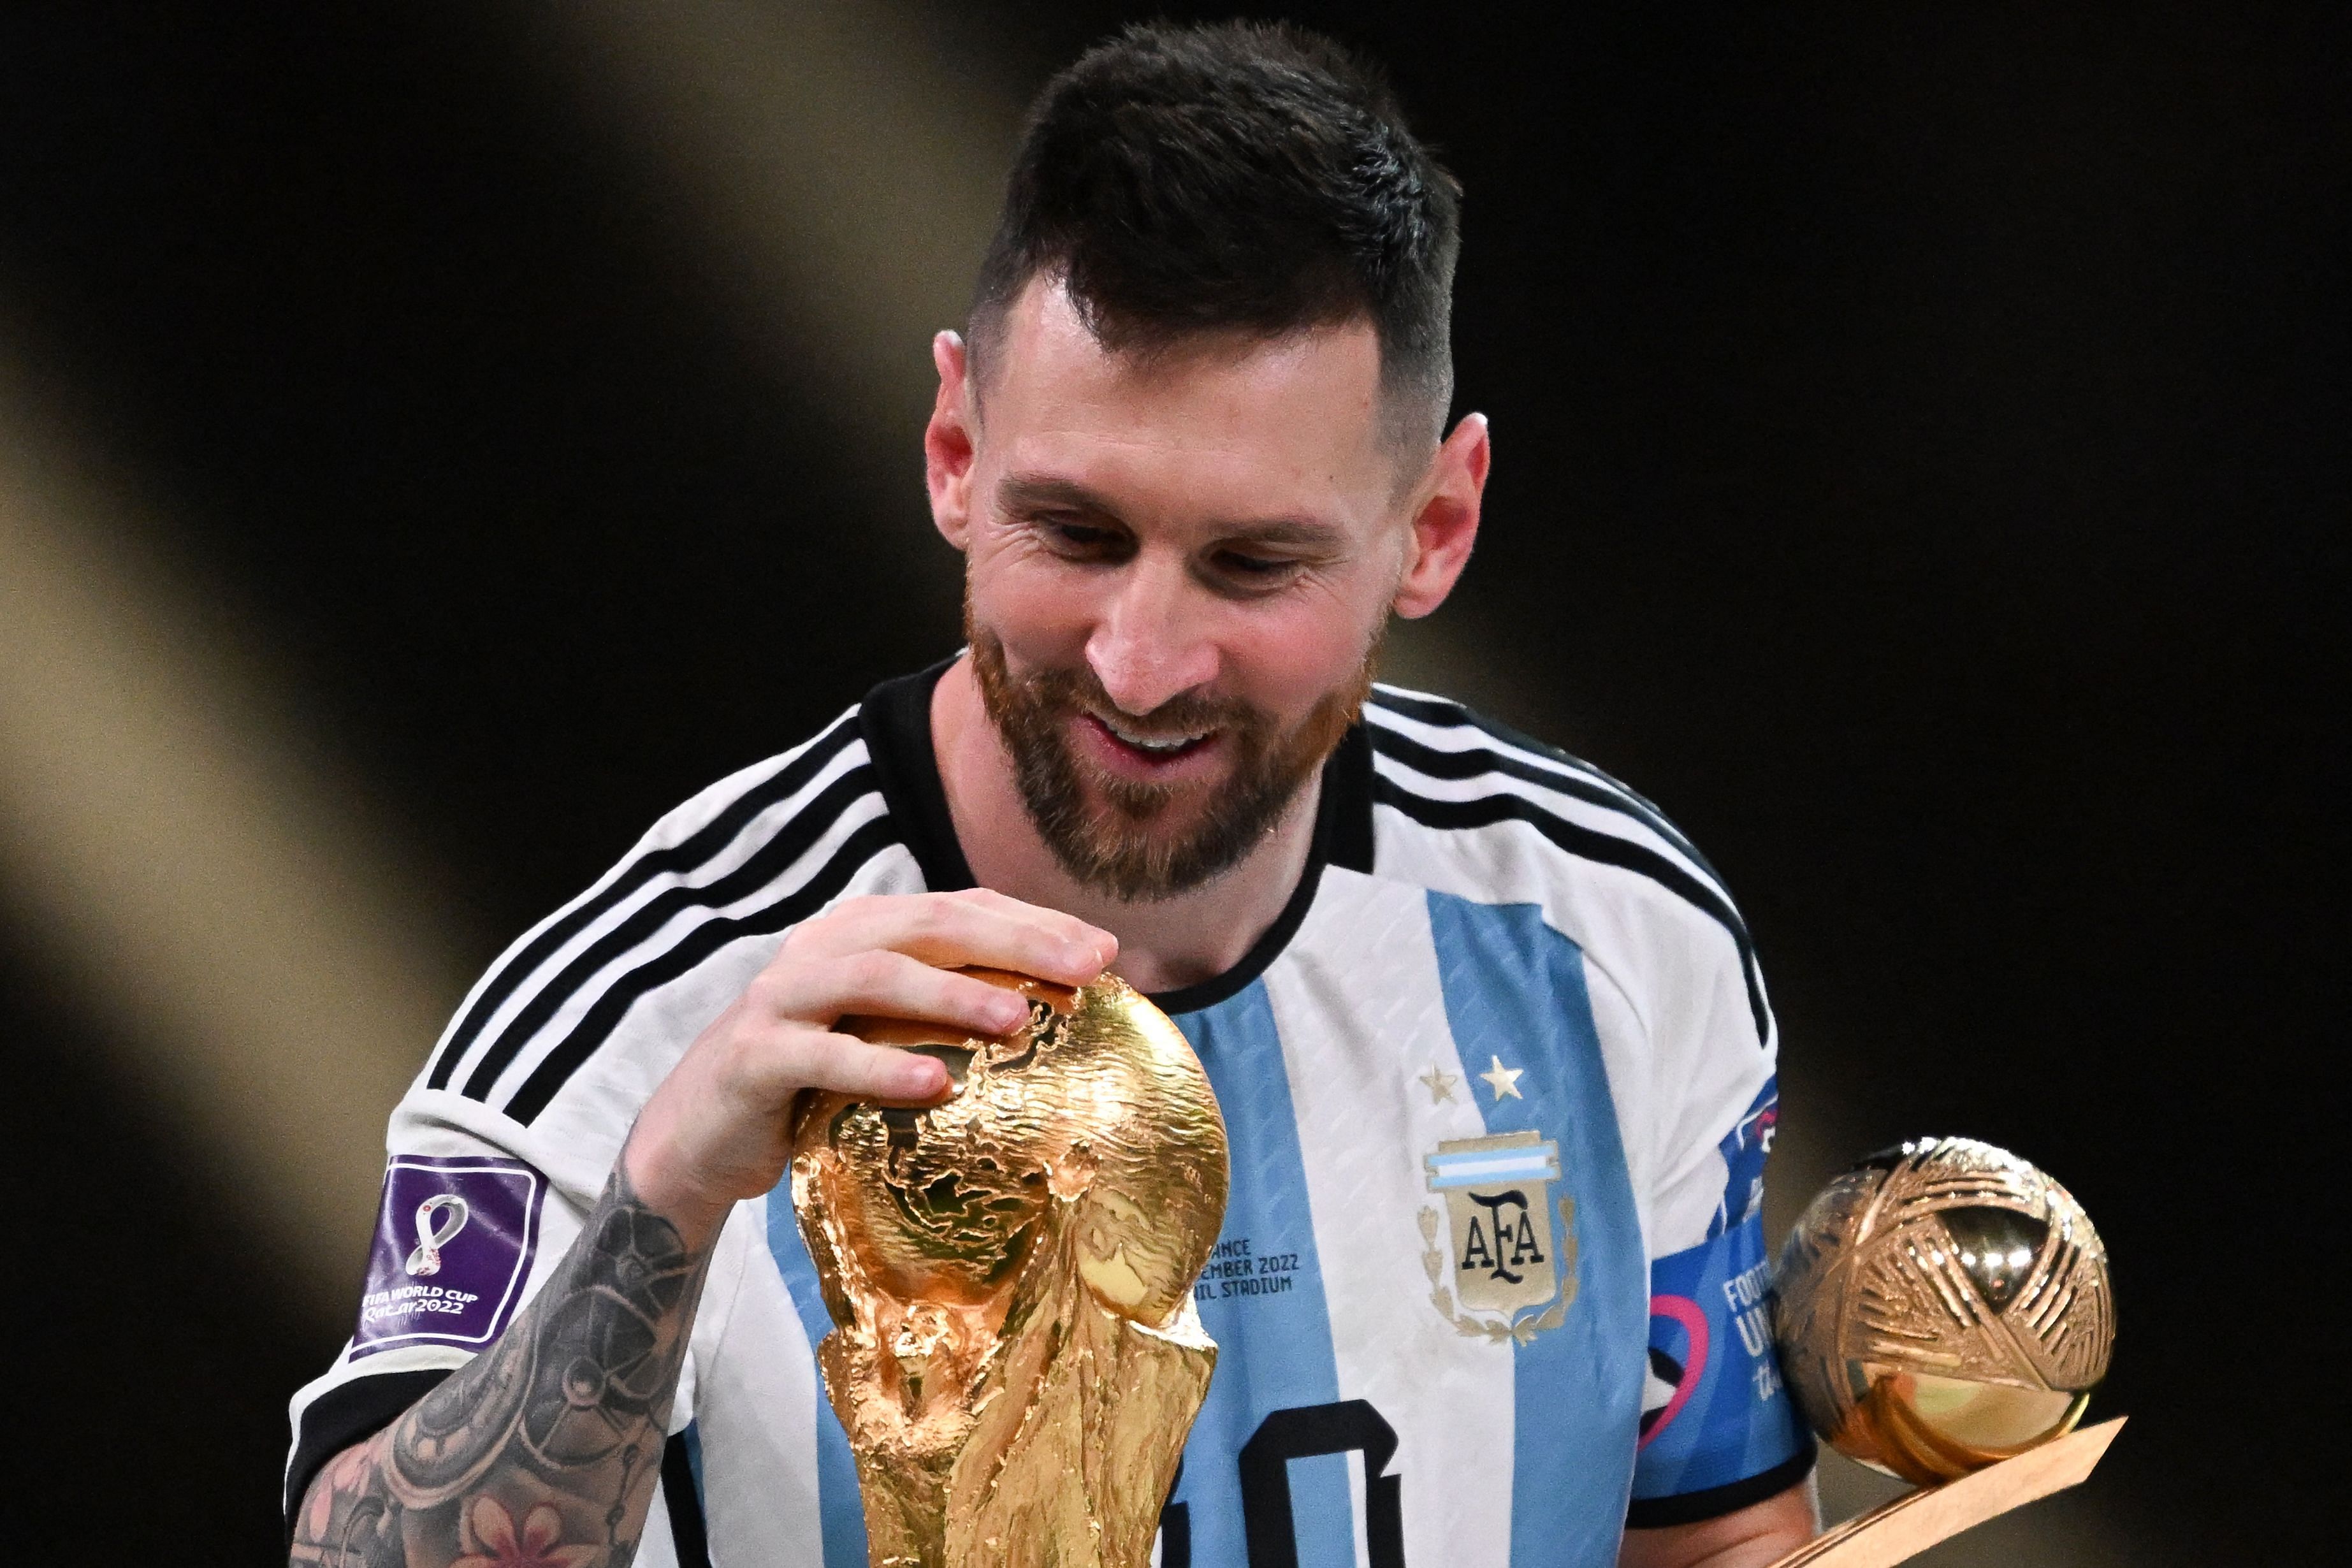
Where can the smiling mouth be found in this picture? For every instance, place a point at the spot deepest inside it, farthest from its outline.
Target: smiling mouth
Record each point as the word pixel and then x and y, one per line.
pixel 1158 748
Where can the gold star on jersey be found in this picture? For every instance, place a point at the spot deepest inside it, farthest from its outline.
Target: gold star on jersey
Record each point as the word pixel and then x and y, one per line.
pixel 1503 1081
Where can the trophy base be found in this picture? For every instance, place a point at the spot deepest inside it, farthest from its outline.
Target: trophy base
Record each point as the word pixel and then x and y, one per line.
pixel 1899 1530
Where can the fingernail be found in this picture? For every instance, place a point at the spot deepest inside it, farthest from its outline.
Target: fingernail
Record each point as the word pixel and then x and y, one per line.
pixel 1008 1013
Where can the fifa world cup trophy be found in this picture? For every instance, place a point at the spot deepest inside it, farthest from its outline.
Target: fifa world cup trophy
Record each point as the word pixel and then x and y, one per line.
pixel 1016 1355
pixel 1943 1313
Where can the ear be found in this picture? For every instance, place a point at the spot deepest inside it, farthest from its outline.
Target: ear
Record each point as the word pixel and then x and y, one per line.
pixel 949 443
pixel 1445 519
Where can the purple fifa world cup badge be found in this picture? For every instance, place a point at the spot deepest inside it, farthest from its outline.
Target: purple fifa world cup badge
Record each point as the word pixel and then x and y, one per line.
pixel 454 1243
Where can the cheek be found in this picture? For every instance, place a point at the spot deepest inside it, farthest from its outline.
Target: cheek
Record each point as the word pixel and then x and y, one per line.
pixel 1286 662
pixel 1032 603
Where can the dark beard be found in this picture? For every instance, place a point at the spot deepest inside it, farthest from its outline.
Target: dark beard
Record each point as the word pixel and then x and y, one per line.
pixel 1111 848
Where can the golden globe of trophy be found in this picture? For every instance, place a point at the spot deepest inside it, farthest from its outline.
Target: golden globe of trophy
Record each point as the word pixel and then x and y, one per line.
pixel 1943 1313
pixel 1015 1355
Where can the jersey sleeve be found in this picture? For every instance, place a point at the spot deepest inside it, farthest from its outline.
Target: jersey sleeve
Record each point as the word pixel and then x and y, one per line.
pixel 476 1214
pixel 502 1145
pixel 470 1223
pixel 1718 1430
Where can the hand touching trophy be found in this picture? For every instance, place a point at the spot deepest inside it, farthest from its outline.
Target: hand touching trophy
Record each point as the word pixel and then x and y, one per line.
pixel 1016 1357
pixel 1944 1311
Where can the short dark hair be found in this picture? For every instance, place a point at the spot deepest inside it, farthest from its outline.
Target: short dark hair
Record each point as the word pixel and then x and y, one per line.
pixel 1249 178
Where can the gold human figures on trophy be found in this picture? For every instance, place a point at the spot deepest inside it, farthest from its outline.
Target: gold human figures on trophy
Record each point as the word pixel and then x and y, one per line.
pixel 1016 1357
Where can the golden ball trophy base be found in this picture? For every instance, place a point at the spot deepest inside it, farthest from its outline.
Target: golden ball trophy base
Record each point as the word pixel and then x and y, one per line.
pixel 1900 1530
pixel 1942 1313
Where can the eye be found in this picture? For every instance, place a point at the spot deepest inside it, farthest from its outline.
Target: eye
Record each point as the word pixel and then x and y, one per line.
pixel 1077 540
pixel 1254 568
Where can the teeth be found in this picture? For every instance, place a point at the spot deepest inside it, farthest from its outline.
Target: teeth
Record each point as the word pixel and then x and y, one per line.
pixel 1162 744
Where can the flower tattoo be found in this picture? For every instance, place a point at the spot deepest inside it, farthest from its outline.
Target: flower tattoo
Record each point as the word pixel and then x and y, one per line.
pixel 537 1546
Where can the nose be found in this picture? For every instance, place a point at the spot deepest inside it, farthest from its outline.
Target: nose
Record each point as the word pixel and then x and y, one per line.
pixel 1151 640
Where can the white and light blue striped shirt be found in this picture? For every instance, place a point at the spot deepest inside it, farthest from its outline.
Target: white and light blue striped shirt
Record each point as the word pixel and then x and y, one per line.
pixel 1498 1083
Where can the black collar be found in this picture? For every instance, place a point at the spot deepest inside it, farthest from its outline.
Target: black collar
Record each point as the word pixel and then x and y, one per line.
pixel 896 722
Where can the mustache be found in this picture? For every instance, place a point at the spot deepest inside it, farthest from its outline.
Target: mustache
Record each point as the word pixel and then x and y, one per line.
pixel 1080 690
pixel 1117 842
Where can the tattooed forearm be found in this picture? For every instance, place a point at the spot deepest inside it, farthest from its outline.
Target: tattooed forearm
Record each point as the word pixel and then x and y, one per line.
pixel 545 1449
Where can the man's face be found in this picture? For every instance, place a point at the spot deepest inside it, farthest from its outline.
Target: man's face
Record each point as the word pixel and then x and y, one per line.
pixel 1177 569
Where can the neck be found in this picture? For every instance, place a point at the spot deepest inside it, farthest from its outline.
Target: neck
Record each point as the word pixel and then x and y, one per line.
pixel 1163 945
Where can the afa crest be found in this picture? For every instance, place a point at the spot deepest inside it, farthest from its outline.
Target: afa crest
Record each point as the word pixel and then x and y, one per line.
pixel 1494 1249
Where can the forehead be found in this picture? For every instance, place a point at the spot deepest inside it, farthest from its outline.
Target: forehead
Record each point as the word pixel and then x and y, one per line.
pixel 1290 423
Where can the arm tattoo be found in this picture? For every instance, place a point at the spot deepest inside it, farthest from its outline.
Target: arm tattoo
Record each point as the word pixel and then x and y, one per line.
pixel 542 1451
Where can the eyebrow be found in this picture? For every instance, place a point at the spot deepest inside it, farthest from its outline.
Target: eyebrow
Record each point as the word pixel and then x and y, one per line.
pixel 1047 492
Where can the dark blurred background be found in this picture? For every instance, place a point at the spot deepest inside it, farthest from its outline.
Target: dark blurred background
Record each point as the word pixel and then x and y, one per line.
pixel 434 441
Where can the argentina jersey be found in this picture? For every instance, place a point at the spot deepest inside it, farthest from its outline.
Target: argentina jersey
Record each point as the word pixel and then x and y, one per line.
pixel 1498 1085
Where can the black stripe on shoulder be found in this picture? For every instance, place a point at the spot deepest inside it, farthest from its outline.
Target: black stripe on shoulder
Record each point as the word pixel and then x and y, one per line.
pixel 792 840
pixel 684 856
pixel 1453 715
pixel 557 1068
pixel 1472 763
pixel 1585 844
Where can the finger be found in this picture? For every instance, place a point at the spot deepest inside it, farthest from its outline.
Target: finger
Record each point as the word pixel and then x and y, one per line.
pixel 979 925
pixel 807 1059
pixel 895 985
pixel 1087 944
pixel 968 928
